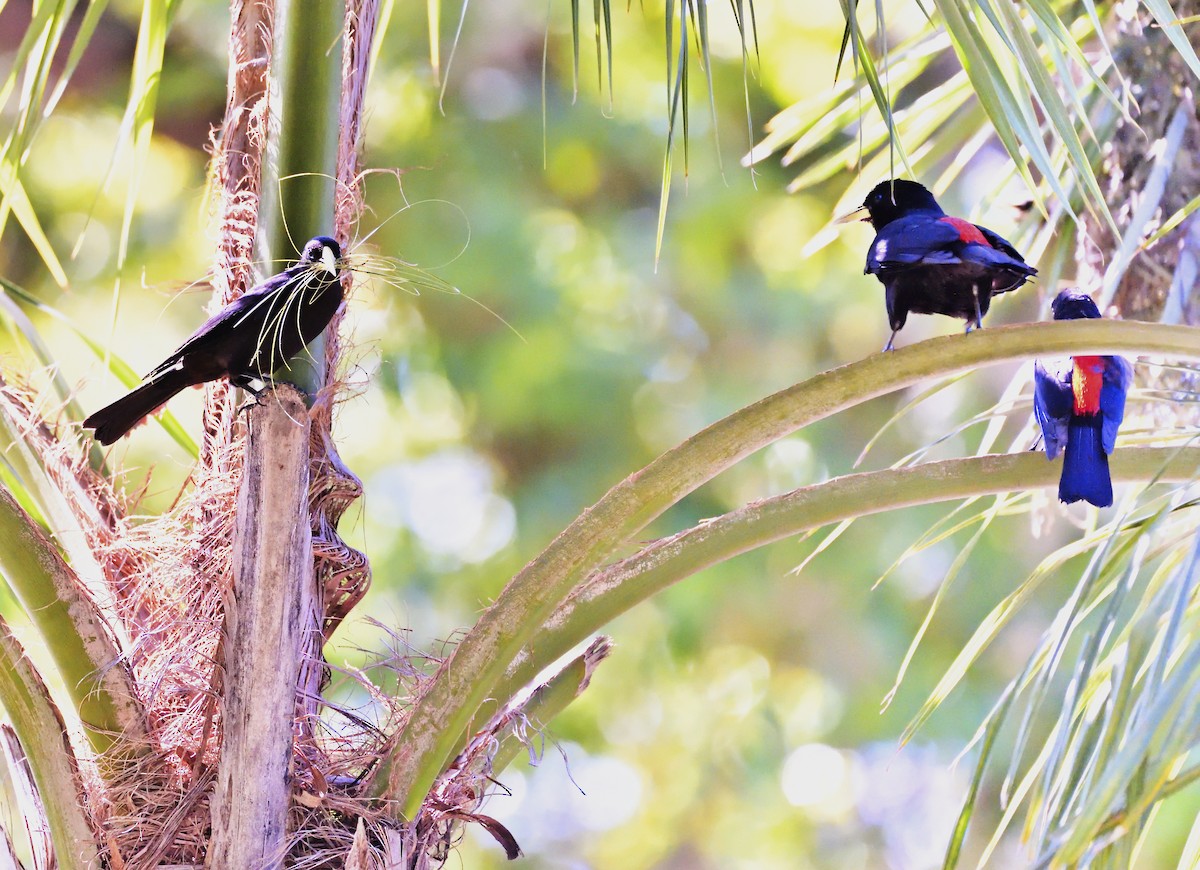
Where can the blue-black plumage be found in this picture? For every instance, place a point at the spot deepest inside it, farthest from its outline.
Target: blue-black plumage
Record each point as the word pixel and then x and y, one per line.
pixel 932 263
pixel 245 341
pixel 1079 408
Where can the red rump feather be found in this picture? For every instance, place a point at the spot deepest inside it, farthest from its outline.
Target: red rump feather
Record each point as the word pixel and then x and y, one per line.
pixel 1086 382
pixel 967 231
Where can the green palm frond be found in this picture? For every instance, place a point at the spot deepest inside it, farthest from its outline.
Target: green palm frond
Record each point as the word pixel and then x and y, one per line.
pixel 1109 698
pixel 137 124
pixel 29 79
pixel 681 19
pixel 11 294
pixel 476 670
pixel 1039 79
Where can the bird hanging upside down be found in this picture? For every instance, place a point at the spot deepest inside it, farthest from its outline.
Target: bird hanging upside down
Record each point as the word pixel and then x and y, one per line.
pixel 1079 407
pixel 245 341
pixel 931 263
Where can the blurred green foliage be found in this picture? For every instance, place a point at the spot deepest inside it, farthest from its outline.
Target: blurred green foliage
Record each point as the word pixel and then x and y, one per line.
pixel 738 722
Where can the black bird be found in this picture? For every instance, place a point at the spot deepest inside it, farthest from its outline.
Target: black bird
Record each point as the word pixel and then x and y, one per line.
pixel 245 341
pixel 931 263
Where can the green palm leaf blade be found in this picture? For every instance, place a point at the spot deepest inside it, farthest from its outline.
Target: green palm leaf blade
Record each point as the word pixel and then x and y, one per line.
pixel 984 520
pixel 1057 113
pixel 137 123
pixel 115 364
pixel 16 200
pixel 1172 222
pixel 987 743
pixel 991 625
pixel 1167 20
pixel 42 734
pixel 815 119
pixel 1005 108
pixel 1177 705
pixel 1112 545
pixel 864 61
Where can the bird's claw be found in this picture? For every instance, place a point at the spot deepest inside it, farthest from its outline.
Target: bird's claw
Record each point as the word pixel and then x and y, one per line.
pixel 255 385
pixel 253 402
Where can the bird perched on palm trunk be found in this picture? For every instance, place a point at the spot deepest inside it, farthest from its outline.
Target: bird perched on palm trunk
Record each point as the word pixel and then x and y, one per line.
pixel 245 341
pixel 931 263
pixel 1079 407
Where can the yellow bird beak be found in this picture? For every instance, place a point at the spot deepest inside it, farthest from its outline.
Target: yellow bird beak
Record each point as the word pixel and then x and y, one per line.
pixel 859 214
pixel 328 262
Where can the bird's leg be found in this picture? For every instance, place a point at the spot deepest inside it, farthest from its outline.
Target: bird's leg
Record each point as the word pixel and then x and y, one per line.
pixel 252 402
pixel 978 313
pixel 255 385
pixel 897 311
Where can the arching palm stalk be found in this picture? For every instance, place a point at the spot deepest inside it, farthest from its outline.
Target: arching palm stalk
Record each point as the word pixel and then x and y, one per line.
pixel 1089 107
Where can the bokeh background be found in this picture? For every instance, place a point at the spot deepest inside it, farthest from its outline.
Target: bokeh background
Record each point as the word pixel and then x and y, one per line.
pixel 740 721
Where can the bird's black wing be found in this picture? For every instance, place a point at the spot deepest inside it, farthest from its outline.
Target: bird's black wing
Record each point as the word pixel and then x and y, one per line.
pixel 1007 268
pixel 198 338
pixel 913 240
pixel 254 303
pixel 1004 245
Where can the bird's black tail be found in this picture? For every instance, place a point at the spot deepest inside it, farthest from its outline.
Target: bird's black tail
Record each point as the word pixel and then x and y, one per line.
pixel 113 421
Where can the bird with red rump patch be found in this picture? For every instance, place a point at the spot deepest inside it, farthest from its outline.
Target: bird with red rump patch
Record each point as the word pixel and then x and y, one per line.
pixel 932 263
pixel 1079 407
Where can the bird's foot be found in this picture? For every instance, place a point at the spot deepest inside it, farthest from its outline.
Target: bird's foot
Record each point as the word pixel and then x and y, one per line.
pixel 255 401
pixel 255 385
pixel 890 342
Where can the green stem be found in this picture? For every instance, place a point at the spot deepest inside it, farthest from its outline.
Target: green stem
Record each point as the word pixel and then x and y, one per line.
pixel 298 191
pixel 432 732
pixel 93 672
pixel 547 701
pixel 43 737
pixel 49 499
pixel 614 589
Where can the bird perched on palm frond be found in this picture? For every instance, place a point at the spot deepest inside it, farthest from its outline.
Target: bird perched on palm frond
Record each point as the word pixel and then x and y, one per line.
pixel 245 341
pixel 1079 407
pixel 932 263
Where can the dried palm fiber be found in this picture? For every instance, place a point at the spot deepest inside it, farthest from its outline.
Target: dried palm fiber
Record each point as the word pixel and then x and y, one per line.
pixel 143 618
pixel 1150 163
pixel 176 566
pixel 166 579
pixel 1146 159
pixel 342 572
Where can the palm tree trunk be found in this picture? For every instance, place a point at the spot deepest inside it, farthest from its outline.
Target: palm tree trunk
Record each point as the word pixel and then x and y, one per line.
pixel 270 624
